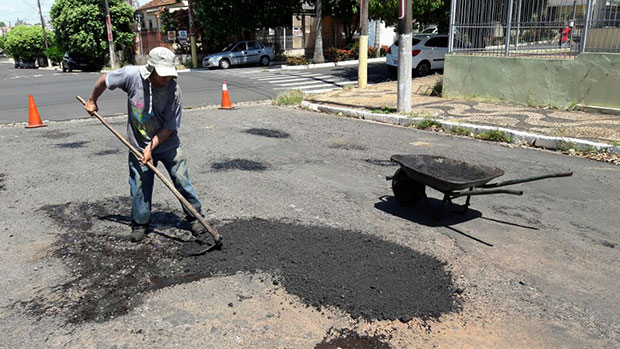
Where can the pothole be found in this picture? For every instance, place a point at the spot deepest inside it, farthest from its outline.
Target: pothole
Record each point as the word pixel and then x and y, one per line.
pixel 72 145
pixel 239 164
pixel 265 132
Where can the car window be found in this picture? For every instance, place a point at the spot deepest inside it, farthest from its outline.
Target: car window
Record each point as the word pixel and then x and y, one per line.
pixel 240 47
pixel 253 45
pixel 228 47
pixel 441 41
pixel 414 41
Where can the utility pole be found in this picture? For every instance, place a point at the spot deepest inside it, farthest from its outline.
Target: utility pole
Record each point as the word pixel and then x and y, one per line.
pixel 192 35
pixel 49 64
pixel 108 23
pixel 362 70
pixel 404 56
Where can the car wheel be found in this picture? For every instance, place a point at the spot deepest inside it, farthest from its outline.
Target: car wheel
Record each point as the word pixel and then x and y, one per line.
pixel 423 69
pixel 69 67
pixel 393 71
pixel 224 64
pixel 264 61
pixel 64 67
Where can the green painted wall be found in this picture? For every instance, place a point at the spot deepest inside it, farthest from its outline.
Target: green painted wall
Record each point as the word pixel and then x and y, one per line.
pixel 590 79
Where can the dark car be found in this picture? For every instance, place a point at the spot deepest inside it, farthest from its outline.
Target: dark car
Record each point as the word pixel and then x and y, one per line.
pixel 25 63
pixel 70 62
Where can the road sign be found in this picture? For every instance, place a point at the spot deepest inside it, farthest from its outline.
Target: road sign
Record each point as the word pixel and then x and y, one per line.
pixel 182 34
pixel 172 35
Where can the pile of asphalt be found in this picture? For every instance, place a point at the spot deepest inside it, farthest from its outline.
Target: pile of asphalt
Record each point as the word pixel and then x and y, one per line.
pixel 349 339
pixel 265 132
pixel 239 164
pixel 361 274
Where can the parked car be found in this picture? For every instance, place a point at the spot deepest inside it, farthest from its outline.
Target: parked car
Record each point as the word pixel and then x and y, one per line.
pixel 25 63
pixel 70 62
pixel 430 30
pixel 427 53
pixel 238 53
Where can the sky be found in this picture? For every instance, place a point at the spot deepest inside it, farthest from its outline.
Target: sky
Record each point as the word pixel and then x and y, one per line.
pixel 27 10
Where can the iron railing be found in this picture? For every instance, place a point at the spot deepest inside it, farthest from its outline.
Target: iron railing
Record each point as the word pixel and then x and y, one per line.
pixel 534 28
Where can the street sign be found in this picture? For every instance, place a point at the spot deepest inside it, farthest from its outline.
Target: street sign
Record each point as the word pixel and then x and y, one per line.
pixel 298 32
pixel 183 35
pixel 172 35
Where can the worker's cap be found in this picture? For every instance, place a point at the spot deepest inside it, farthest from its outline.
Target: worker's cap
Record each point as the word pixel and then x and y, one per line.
pixel 162 60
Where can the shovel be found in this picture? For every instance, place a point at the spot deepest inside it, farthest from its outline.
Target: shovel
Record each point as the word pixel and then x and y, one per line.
pixel 214 233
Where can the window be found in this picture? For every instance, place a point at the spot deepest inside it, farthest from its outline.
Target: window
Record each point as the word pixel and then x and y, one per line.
pixel 150 24
pixel 253 45
pixel 441 41
pixel 240 47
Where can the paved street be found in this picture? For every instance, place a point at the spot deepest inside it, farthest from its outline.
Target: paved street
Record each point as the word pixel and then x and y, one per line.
pixel 54 91
pixel 315 243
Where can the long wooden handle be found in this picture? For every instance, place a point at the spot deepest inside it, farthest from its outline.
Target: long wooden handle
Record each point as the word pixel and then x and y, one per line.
pixel 214 233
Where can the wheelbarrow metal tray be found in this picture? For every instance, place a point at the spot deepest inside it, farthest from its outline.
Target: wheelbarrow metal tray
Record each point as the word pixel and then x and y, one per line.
pixel 443 174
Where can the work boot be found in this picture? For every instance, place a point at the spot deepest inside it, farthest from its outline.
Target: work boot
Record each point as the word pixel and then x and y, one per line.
pixel 138 232
pixel 197 228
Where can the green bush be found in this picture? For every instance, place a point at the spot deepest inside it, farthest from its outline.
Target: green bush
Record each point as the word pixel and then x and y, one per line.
pixel 460 131
pixel 54 53
pixel 292 97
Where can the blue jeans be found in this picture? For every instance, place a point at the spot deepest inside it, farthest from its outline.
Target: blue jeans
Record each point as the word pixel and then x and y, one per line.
pixel 141 184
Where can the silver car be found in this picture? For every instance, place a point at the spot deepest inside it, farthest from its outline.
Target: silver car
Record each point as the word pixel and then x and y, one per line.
pixel 238 53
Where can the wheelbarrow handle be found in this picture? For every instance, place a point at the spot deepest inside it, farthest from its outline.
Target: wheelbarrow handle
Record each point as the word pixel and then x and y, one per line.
pixel 454 195
pixel 524 180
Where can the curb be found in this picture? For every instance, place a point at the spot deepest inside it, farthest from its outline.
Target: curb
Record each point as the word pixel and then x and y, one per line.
pixel 597 109
pixel 331 64
pixel 519 137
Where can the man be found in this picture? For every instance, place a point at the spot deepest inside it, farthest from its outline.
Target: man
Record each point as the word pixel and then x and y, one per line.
pixel 564 35
pixel 154 116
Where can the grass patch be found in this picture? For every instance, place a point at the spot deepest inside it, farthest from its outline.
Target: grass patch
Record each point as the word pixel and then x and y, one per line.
pixel 566 145
pixel 428 124
pixel 383 110
pixel 460 131
pixel 292 97
pixel 494 136
pixel 616 144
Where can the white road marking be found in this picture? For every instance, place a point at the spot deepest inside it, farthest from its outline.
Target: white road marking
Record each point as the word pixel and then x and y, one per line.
pixel 318 85
pixel 310 82
pixel 299 79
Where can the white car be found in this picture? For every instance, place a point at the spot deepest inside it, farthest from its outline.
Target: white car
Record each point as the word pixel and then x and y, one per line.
pixel 427 53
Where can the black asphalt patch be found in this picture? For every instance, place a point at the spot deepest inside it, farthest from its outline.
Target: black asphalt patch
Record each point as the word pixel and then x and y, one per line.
pixel 107 152
pixel 2 175
pixel 265 132
pixel 56 134
pixel 365 276
pixel 379 162
pixel 239 164
pixel 348 339
pixel 72 145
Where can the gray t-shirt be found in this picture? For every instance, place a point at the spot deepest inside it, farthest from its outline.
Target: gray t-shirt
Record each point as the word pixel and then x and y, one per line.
pixel 145 120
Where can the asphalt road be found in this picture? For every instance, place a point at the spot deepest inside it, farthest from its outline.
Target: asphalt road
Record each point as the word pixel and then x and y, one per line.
pixel 54 91
pixel 315 245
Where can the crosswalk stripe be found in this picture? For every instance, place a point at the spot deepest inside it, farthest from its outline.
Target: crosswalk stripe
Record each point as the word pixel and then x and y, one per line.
pixel 299 79
pixel 318 85
pixel 309 82
pixel 281 77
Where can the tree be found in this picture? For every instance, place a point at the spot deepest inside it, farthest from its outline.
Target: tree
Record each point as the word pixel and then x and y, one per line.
pixel 318 42
pixel 25 42
pixel 346 12
pixel 424 11
pixel 2 24
pixel 81 30
pixel 227 20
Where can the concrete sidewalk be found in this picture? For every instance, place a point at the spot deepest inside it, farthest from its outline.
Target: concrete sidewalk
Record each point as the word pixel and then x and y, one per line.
pixel 543 127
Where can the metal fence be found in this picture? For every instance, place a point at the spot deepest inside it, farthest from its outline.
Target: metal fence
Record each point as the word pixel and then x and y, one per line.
pixel 535 28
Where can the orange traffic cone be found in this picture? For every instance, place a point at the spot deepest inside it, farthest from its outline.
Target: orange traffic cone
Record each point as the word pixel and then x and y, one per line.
pixel 34 120
pixel 225 97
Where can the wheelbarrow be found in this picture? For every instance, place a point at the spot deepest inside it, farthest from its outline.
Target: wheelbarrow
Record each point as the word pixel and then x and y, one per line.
pixel 453 178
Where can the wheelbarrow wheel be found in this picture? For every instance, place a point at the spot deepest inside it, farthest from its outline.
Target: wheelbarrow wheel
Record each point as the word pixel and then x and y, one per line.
pixel 406 190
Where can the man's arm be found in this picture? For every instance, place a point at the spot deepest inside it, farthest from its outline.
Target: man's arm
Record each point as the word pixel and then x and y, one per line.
pixel 100 87
pixel 158 139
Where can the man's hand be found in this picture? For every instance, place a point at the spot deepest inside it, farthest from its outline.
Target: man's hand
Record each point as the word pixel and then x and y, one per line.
pixel 91 106
pixel 147 155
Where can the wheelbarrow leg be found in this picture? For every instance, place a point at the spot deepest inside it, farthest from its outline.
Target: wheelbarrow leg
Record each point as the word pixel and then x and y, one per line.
pixel 439 214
